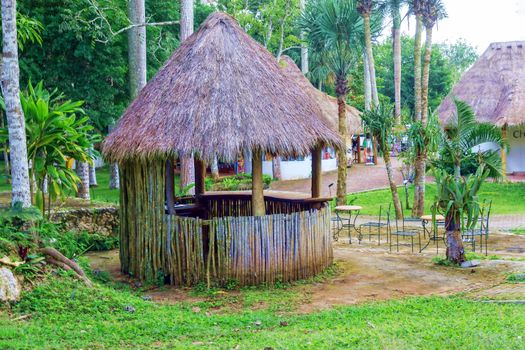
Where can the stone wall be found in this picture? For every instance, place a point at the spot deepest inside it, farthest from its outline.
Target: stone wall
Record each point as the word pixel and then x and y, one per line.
pixel 103 221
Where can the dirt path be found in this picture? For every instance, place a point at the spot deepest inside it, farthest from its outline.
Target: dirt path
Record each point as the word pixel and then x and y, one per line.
pixel 369 272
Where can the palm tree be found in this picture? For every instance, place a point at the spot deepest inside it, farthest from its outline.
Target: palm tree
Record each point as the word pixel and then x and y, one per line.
pixel 379 122
pixel 416 8
pixel 334 29
pixel 394 8
pixel 433 10
pixel 457 194
pixel 15 118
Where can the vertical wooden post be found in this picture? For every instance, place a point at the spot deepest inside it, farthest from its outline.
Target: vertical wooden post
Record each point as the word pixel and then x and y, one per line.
pixel 258 208
pixel 200 175
pixel 316 171
pixel 170 187
pixel 504 152
pixel 374 149
pixel 359 148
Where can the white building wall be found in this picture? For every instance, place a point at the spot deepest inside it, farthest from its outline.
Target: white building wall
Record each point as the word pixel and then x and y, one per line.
pixel 299 169
pixel 516 155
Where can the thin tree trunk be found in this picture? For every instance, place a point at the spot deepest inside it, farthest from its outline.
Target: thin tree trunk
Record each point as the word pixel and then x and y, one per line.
pixel 114 178
pixel 371 62
pixel 83 174
pixel 20 190
pixel 5 152
pixel 92 176
pixel 417 68
pixel 367 82
pixel 304 47
pixel 419 190
pixel 258 207
pixel 341 153
pixel 137 47
pixel 247 154
pixel 392 183
pixel 396 39
pixel 276 168
pixel 187 171
pixel 214 167
pixel 426 75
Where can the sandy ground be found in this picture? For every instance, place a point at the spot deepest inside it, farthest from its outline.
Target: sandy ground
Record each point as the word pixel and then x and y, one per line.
pixel 370 272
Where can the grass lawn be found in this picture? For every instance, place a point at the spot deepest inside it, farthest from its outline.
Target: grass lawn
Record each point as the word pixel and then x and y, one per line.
pixel 507 198
pixel 66 315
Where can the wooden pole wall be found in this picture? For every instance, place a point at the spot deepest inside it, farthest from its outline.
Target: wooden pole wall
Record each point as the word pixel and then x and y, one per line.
pixel 258 207
pixel 200 175
pixel 170 187
pixel 316 171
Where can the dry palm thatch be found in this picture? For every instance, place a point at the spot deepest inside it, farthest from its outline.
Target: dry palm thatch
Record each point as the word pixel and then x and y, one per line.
pixel 219 93
pixel 494 86
pixel 326 103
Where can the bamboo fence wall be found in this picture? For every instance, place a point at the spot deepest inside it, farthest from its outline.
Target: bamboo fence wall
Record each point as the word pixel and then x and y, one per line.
pixel 228 245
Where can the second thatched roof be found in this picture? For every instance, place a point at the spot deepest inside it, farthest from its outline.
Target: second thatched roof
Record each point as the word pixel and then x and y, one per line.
pixel 494 87
pixel 326 103
pixel 220 93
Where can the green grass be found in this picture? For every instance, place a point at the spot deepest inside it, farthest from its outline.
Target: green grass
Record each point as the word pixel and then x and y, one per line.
pixel 518 231
pixel 66 315
pixel 506 198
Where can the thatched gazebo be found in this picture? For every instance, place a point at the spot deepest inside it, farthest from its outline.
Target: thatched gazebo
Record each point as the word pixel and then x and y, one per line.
pixel 495 88
pixel 221 93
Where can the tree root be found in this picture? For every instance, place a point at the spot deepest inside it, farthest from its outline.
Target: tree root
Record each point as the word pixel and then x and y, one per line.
pixel 56 258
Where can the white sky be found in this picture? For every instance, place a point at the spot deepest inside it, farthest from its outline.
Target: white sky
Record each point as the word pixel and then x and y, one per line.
pixel 480 22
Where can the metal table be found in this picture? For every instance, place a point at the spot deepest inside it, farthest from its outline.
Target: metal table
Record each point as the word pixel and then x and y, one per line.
pixel 350 224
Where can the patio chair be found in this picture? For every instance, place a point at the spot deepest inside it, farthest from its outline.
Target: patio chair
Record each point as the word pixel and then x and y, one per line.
pixel 481 229
pixel 404 231
pixel 382 222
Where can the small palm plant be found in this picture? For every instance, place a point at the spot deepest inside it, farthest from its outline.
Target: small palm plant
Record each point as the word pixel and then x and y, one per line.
pixel 457 195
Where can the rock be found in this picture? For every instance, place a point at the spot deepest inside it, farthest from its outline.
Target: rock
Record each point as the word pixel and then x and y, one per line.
pixel 469 264
pixel 147 298
pixel 257 323
pixel 9 287
pixel 129 309
pixel 283 323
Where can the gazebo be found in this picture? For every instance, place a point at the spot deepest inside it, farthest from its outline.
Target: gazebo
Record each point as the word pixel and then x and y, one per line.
pixel 220 93
pixel 495 88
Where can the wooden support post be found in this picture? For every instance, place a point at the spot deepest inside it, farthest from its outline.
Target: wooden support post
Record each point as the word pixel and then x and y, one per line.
pixel 258 207
pixel 504 152
pixel 316 171
pixel 170 187
pixel 374 149
pixel 200 175
pixel 359 149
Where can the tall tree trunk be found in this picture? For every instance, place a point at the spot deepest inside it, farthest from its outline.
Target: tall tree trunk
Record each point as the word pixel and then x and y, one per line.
pixel 304 47
pixel 20 190
pixel 214 167
pixel 396 40
pixel 421 159
pixel 137 47
pixel 247 154
pixel 341 153
pixel 114 178
pixel 392 183
pixel 417 68
pixel 367 82
pixel 276 168
pixel 425 77
pixel 92 171
pixel 5 153
pixel 83 173
pixel 419 180
pixel 187 165
pixel 371 62
pixel 455 249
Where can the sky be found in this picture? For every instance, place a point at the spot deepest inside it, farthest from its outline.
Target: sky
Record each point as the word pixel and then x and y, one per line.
pixel 480 22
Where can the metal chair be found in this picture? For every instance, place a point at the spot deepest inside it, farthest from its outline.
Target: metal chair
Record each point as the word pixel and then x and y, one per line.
pixel 383 221
pixel 405 232
pixel 346 221
pixel 481 229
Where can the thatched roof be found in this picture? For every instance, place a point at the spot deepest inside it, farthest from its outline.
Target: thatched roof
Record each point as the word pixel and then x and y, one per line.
pixel 494 86
pixel 326 103
pixel 219 93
